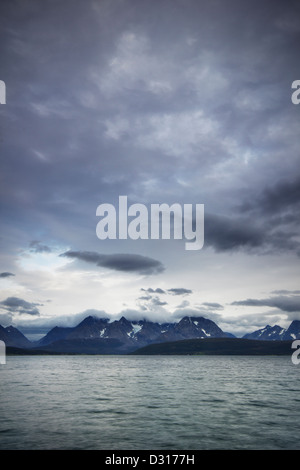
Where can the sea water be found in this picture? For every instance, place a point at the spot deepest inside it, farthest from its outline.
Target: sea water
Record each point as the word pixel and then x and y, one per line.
pixel 149 402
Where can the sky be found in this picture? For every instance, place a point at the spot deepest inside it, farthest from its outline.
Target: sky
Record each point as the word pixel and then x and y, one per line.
pixel 169 101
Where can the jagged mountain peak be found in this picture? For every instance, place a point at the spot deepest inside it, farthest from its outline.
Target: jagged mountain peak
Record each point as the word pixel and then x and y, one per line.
pixel 91 320
pixel 13 337
pixel 268 333
pixel 293 331
pixel 124 321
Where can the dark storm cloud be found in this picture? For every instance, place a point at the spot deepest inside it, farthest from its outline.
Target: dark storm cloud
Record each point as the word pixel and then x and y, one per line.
pixel 119 262
pixel 6 274
pixel 284 303
pixel 248 233
pixel 278 198
pixel 20 306
pixel 226 233
pixel 273 215
pixel 108 85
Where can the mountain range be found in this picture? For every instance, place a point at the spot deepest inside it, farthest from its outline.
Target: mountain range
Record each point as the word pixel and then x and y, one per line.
pixel 101 336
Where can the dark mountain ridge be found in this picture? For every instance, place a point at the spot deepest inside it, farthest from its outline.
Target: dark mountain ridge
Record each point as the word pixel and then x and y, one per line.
pixel 95 335
pixel 218 346
pixel 133 334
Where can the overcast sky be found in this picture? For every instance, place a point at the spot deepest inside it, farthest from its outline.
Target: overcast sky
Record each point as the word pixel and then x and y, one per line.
pixel 169 101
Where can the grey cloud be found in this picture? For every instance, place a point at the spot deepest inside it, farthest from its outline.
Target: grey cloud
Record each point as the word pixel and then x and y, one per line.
pixel 40 326
pixel 184 304
pixel 285 291
pixel 38 247
pixel 119 262
pixel 158 314
pixel 152 303
pixel 173 291
pixel 6 274
pixel 180 312
pixel 251 322
pixel 20 306
pixel 157 301
pixel 6 319
pixel 145 297
pixel 284 303
pixel 179 291
pixel 158 290
pixel 213 305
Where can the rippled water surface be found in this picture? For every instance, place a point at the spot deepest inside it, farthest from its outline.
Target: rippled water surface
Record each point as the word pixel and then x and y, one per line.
pixel 149 402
